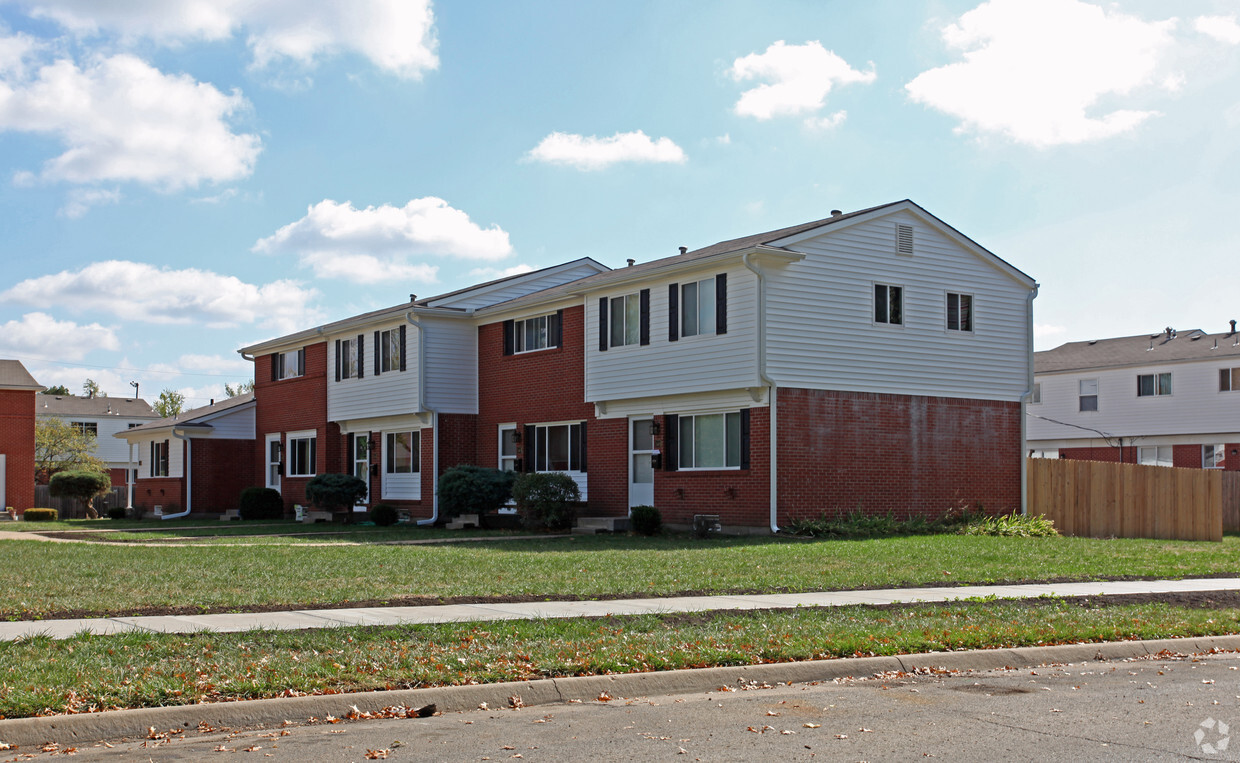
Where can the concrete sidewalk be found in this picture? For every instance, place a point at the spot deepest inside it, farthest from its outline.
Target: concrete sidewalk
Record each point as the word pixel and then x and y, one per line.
pixel 333 618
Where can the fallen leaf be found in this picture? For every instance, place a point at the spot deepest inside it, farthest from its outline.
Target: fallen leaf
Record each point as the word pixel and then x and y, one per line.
pixel 813 725
pixel 841 736
pixel 380 754
pixel 515 702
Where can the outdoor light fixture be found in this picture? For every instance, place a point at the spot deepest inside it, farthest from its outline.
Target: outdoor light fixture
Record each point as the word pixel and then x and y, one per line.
pixel 374 442
pixel 654 427
pixel 516 435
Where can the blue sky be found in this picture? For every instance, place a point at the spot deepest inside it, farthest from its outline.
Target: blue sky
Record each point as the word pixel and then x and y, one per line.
pixel 179 178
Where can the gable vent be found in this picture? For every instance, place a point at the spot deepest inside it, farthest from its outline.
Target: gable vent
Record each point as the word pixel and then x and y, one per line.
pixel 904 239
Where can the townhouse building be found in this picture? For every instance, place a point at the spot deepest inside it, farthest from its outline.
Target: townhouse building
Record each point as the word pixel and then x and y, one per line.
pixel 101 418
pixel 18 390
pixel 1170 398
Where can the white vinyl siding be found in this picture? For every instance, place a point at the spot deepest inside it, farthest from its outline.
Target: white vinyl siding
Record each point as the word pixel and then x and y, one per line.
pixel 142 455
pixel 821 332
pixel 234 424
pixel 383 395
pixel 451 365
pixel 693 363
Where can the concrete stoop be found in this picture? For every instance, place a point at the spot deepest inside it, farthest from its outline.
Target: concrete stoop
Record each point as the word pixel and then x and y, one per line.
pixel 464 522
pixel 595 525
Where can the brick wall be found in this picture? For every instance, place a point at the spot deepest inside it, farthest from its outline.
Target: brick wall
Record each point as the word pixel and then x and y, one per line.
pixel 740 497
pixel 908 455
pixel 159 491
pixel 17 445
pixel 1183 456
pixel 221 470
pixel 294 405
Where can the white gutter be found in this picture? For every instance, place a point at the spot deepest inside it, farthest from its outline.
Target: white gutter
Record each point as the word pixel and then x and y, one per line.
pixel 434 419
pixel 1024 401
pixel 189 481
pixel 129 475
pixel 770 384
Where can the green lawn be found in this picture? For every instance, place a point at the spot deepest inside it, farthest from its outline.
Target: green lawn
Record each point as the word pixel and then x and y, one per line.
pixel 250 532
pixel 42 676
pixel 42 579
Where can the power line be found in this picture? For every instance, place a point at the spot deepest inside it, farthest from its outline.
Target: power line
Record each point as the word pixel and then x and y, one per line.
pixel 128 368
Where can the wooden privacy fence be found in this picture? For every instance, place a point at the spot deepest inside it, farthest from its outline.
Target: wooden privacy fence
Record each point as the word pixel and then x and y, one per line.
pixel 69 508
pixel 1231 502
pixel 1103 500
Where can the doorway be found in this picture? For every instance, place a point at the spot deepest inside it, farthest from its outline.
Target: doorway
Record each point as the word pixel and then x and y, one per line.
pixel 641 466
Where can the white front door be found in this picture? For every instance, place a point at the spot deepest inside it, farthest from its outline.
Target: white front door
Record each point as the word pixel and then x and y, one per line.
pixel 641 470
pixel 273 461
pixel 361 465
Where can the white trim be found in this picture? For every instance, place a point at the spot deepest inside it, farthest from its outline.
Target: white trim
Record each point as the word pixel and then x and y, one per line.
pixel 268 463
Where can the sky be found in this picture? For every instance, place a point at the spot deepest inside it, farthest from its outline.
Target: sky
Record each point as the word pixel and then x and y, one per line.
pixel 181 178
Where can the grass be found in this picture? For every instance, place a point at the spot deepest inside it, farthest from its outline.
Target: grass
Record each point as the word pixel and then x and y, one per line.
pixel 41 579
pixel 42 676
pixel 266 532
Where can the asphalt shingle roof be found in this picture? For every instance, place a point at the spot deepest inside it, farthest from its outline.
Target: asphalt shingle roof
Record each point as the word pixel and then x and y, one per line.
pixel 72 405
pixel 1139 350
pixel 190 417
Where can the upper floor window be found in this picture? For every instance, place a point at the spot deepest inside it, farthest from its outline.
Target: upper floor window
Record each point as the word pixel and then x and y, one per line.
pixel 1212 456
pixel 90 428
pixel 697 308
pixel 390 350
pixel 1036 396
pixel 159 459
pixel 959 312
pixel 1089 394
pixel 1150 385
pixel 288 365
pixel 624 320
pixel 1229 380
pixel 537 333
pixel 889 304
pixel 351 357
pixel 302 453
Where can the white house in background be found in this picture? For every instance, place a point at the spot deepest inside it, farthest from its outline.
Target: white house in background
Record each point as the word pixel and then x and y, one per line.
pixel 1171 399
pixel 100 417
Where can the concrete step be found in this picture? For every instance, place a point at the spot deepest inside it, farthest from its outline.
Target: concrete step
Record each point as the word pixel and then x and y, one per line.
pixel 594 525
pixel 464 522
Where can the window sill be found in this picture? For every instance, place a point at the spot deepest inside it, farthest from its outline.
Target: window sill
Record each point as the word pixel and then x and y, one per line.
pixel 525 353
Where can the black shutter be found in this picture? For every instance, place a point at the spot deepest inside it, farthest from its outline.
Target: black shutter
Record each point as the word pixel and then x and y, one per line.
pixel 721 303
pixel 275 366
pixel 673 314
pixel 301 362
pixel 381 352
pixel 644 298
pixel 671 424
pixel 744 438
pixel 348 455
pixel 558 335
pixel 509 340
pixel 361 356
pixel 402 347
pixel 314 459
pixel 582 444
pixel 528 442
pixel 602 324
pixel 337 360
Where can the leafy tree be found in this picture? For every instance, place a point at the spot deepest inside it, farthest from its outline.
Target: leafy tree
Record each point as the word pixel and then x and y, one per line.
pixel 91 388
pixel 60 447
pixel 240 389
pixel 59 389
pixel 170 403
pixel 84 486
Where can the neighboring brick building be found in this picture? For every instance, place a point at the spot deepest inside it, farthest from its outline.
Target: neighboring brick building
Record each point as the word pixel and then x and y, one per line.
pixel 17 405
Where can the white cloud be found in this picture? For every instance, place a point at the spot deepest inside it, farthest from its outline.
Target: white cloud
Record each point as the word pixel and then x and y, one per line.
pixel 82 199
pixel 121 119
pixel 142 292
pixel 800 77
pixel 492 274
pixel 374 244
pixel 594 153
pixel 1222 28
pixel 216 364
pixel 397 36
pixel 1036 71
pixel 15 50
pixel 828 122
pixel 41 334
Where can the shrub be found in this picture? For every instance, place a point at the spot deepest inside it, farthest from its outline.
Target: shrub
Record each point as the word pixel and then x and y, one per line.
pixel 1011 525
pixel 383 515
pixel 117 512
pixel 467 489
pixel 335 492
pixel 40 515
pixel 261 503
pixel 646 520
pixel 84 486
pixel 546 500
pixel 857 525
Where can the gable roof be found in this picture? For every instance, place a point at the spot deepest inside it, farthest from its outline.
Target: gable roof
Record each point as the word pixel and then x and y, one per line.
pixel 194 418
pixel 13 375
pixel 72 405
pixel 1139 350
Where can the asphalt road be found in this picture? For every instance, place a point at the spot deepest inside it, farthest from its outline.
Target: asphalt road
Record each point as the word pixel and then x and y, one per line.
pixel 1147 709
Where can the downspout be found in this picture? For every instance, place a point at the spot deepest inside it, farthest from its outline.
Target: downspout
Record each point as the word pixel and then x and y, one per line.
pixel 434 420
pixel 770 385
pixel 1024 401
pixel 189 479
pixel 129 476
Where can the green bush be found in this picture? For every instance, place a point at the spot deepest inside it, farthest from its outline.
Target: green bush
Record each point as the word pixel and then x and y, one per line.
pixel 857 525
pixel 467 489
pixel 546 500
pixel 261 503
pixel 84 486
pixel 646 520
pixel 383 515
pixel 40 515
pixel 117 512
pixel 1011 525
pixel 335 492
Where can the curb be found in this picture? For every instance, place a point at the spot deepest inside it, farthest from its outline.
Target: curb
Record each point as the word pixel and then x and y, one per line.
pixel 92 727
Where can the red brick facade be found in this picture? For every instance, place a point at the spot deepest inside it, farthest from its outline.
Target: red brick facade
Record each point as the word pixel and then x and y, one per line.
pixel 168 492
pixel 1182 456
pixel 17 445
pixel 221 469
pixel 740 497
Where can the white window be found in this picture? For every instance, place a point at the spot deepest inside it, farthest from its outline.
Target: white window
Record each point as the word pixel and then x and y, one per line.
pixel 557 448
pixel 1044 453
pixel 710 441
pixel 1229 380
pixel 1212 456
pixel 508 447
pixel 1150 385
pixel 1160 455
pixel 89 428
pixel 1088 395
pixel 301 454
pixel 159 459
pixel 389 350
pixel 1036 396
pixel 959 312
pixel 697 307
pixel 402 452
pixel 274 470
pixel 538 333
pixel 625 320
pixel 290 364
pixel 348 358
pixel 889 304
